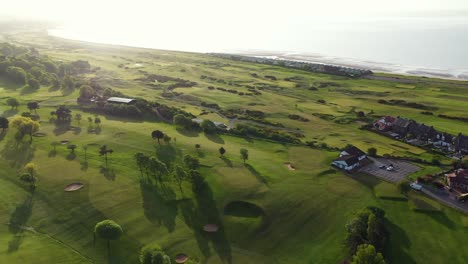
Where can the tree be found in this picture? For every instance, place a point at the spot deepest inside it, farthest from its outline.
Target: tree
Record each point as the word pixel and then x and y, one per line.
pixel 244 154
pixel 222 151
pixel 29 174
pixel 13 103
pixel 154 255
pixel 4 123
pixel 25 126
pixel 78 118
pixel 197 146
pixel 366 254
pixel 108 230
pixel 158 168
pixel 372 152
pixel 140 161
pixel 72 148
pixel 97 121
pixel 86 92
pixel 34 84
pixel 182 121
pixel 180 175
pixel 208 126
pixel 103 151
pixel 33 106
pixel 157 134
pixel 63 113
pixel 191 162
pixel 68 83
pixel 85 148
pixel 198 182
pixel 16 74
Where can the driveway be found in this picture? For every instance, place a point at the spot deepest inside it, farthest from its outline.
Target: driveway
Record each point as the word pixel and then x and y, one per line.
pixel 401 169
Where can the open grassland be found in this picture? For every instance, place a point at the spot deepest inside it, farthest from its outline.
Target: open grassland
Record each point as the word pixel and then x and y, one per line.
pixel 300 215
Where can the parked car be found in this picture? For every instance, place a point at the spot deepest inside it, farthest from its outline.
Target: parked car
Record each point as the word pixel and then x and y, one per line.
pixel 390 168
pixel 382 167
pixel 416 186
pixel 462 198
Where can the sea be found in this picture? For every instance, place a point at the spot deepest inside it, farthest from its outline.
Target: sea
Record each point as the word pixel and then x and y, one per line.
pixel 433 46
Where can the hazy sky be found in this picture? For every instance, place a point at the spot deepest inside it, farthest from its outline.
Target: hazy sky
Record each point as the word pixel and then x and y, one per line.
pixel 252 11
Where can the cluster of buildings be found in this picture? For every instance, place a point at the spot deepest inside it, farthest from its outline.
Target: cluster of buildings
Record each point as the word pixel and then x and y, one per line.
pixel 350 159
pixel 421 134
pixel 458 180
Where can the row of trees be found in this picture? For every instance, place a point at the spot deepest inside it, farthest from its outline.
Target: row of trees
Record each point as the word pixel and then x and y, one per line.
pixel 367 236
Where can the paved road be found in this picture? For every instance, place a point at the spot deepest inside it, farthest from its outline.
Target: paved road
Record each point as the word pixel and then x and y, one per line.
pixel 402 169
pixel 446 198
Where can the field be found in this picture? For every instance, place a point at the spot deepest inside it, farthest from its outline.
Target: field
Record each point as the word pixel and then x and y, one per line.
pixel 267 213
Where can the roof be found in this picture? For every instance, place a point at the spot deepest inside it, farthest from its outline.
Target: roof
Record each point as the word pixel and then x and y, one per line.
pixel 120 100
pixel 402 122
pixel 349 160
pixel 459 176
pixel 197 120
pixel 389 119
pixel 354 151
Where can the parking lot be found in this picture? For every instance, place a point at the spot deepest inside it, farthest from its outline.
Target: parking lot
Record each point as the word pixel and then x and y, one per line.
pixel 401 169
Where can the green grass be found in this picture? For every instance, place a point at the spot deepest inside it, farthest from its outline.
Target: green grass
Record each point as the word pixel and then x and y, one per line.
pixel 304 212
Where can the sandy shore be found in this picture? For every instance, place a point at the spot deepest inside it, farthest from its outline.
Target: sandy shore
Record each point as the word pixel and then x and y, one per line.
pixel 457 74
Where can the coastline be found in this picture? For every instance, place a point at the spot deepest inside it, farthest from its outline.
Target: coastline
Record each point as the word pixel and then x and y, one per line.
pixel 379 67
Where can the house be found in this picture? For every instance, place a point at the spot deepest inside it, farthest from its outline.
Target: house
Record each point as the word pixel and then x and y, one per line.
pixel 346 162
pixel 353 151
pixel 218 125
pixel 350 158
pixel 385 123
pixel 421 131
pixel 458 180
pixel 461 143
pixel 120 100
pixel 443 141
pixel 401 126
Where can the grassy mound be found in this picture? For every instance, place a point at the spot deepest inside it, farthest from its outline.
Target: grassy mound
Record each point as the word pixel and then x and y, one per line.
pixel 243 209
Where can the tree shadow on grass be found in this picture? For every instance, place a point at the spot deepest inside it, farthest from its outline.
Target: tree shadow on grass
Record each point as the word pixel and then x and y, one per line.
pixel 398 244
pixel 2 135
pixel 215 138
pixel 206 212
pixel 18 220
pixel 188 133
pixel 84 166
pixel 257 174
pixel 18 153
pixel 108 173
pixel 159 205
pixel 10 112
pixel 71 156
pixel 227 161
pixel 61 128
pixel 167 153
pixel 27 90
pixel 439 217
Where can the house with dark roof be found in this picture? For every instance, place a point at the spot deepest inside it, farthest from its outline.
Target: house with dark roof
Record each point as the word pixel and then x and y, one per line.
pixel 347 163
pixel 461 143
pixel 401 126
pixel 350 158
pixel 421 131
pixel 458 180
pixel 385 123
pixel 444 141
pixel 353 151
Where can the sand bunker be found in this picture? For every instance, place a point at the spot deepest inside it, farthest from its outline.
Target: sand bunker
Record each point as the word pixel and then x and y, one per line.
pixel 211 228
pixel 39 134
pixel 74 187
pixel 181 258
pixel 290 166
pixel 64 142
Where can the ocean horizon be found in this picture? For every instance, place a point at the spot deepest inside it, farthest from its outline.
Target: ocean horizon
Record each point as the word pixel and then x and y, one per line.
pixel 432 47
